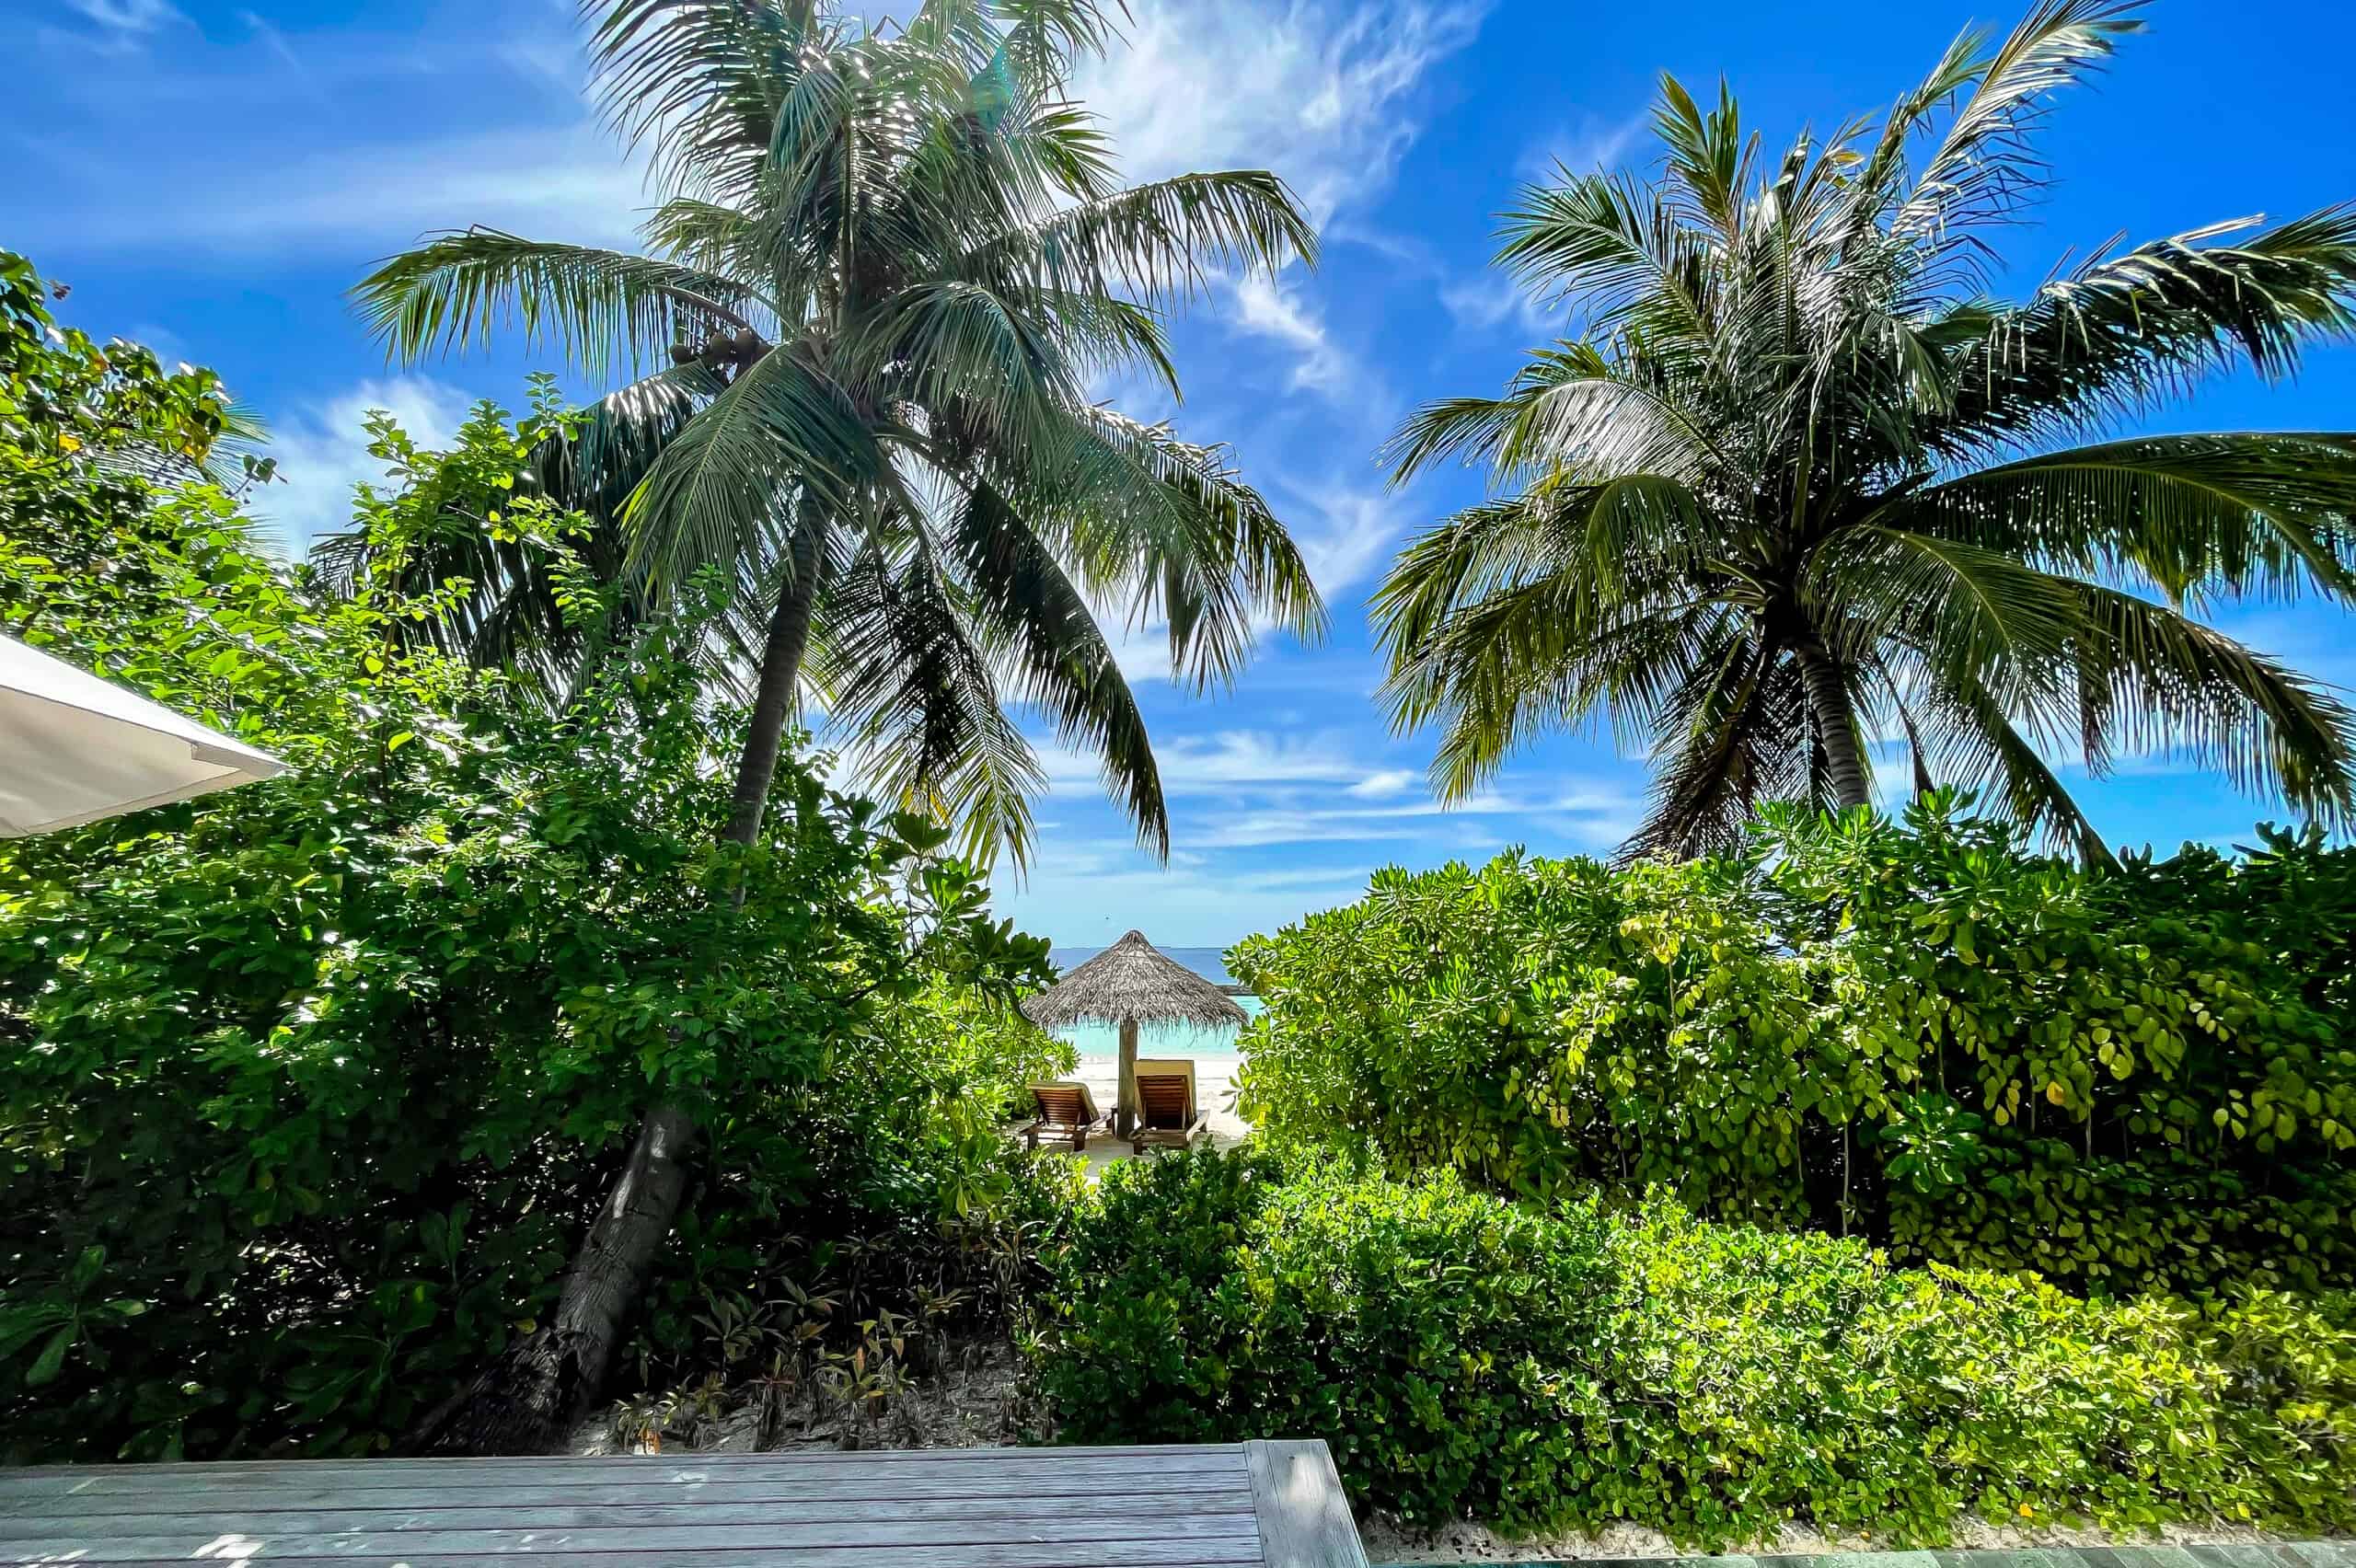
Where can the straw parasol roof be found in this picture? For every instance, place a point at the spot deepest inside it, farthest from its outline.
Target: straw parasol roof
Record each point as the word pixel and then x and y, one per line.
pixel 1129 981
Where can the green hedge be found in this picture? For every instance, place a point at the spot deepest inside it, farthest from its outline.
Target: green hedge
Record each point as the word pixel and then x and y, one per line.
pixel 309 1088
pixel 1550 1368
pixel 1916 1033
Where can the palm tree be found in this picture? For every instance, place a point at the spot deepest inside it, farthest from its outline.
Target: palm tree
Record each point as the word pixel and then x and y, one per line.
pixel 1800 485
pixel 887 264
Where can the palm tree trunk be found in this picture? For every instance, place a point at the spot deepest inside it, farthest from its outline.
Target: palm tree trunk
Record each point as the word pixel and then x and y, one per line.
pixel 1836 725
pixel 528 1399
pixel 781 674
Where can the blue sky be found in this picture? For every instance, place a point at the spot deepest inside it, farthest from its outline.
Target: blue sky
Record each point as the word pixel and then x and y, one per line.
pixel 212 178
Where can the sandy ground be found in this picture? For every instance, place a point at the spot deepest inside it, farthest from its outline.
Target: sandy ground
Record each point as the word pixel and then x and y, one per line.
pixel 1214 1091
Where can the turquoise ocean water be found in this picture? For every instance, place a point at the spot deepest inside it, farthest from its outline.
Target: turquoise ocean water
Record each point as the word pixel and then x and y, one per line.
pixel 1098 1040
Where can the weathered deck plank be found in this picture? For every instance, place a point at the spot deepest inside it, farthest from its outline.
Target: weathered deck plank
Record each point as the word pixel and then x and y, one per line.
pixel 1304 1516
pixel 1214 1537
pixel 101 1493
pixel 1219 1469
pixel 1215 1456
pixel 652 1553
pixel 1233 1505
pixel 330 1511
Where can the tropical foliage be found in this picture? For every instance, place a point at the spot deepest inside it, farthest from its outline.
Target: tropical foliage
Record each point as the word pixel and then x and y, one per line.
pixel 888 269
pixel 1578 1366
pixel 88 431
pixel 311 1086
pixel 1917 1033
pixel 888 261
pixel 1800 487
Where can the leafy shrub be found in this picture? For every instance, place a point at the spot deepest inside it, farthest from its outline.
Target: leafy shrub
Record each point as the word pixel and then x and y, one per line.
pixel 827 1326
pixel 1916 1033
pixel 879 1184
pixel 1570 1367
pixel 306 1087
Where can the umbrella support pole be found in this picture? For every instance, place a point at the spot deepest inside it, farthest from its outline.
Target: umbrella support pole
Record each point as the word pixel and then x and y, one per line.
pixel 1124 1100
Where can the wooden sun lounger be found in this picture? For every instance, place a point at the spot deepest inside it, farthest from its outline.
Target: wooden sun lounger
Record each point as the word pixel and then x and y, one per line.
pixel 1227 1506
pixel 1167 1115
pixel 1065 1112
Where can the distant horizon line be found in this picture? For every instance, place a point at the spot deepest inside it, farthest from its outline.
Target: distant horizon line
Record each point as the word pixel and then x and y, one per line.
pixel 1055 946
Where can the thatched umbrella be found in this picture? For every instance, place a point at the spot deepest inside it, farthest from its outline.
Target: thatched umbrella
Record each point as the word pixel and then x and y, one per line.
pixel 1127 984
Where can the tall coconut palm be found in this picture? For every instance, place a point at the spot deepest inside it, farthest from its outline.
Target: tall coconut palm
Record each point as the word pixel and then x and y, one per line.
pixel 889 266
pixel 886 267
pixel 1801 485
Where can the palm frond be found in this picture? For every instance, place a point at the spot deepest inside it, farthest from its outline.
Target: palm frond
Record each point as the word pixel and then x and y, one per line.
pixel 1980 610
pixel 720 487
pixel 1711 166
pixel 905 680
pixel 606 309
pixel 1161 240
pixel 1728 741
pixel 1622 251
pixel 2124 333
pixel 2162 684
pixel 1169 529
pixel 702 84
pixel 1569 406
pixel 1523 616
pixel 597 467
pixel 1043 636
pixel 1972 742
pixel 1984 167
pixel 2235 512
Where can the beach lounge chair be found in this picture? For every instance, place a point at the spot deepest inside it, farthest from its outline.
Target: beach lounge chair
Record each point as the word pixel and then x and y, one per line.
pixel 1167 1115
pixel 1064 1113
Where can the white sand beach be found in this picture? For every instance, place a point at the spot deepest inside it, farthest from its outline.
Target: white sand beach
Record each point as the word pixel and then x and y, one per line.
pixel 1214 1091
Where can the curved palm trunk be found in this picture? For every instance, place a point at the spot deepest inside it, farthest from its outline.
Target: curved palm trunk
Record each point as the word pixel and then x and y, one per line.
pixel 529 1399
pixel 780 672
pixel 1836 726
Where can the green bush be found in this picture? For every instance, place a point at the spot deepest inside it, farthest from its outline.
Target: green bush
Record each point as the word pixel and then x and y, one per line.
pixel 307 1087
pixel 1547 1369
pixel 1911 1032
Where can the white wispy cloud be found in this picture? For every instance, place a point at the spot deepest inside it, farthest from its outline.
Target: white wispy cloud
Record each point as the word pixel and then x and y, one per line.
pixel 124 22
pixel 322 450
pixel 1312 802
pixel 1382 785
pixel 432 130
pixel 1223 885
pixel 275 42
pixel 1191 764
pixel 1485 301
pixel 1325 94
pixel 1321 92
pixel 1087 893
pixel 1344 532
pixel 1585 145
pixel 1492 298
pixel 1271 308
pixel 1346 823
pixel 568 183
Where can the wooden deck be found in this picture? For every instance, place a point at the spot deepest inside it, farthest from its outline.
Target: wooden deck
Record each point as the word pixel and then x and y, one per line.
pixel 1233 1505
